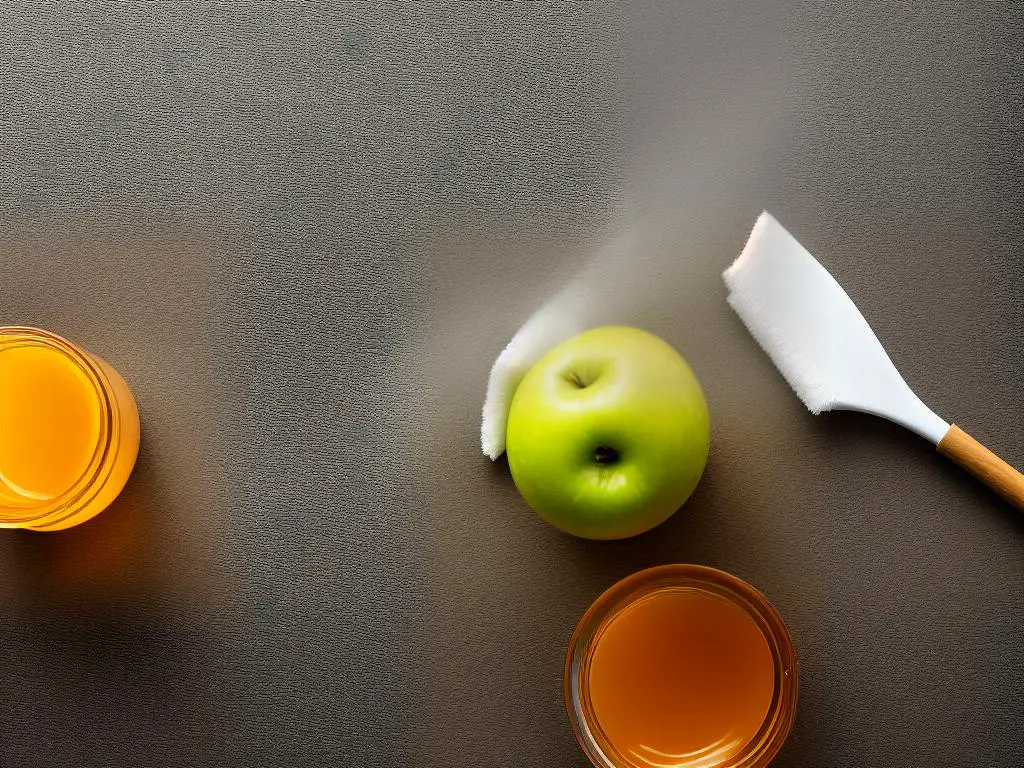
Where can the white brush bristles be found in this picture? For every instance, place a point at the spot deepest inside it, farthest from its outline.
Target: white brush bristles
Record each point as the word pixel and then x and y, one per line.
pixel 760 281
pixel 815 334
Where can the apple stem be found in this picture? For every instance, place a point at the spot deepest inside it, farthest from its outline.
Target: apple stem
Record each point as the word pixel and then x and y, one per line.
pixel 605 455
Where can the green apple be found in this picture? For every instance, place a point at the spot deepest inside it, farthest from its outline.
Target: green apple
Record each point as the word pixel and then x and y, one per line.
pixel 608 433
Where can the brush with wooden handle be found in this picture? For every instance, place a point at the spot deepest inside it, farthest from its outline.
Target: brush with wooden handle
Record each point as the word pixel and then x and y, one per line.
pixel 826 350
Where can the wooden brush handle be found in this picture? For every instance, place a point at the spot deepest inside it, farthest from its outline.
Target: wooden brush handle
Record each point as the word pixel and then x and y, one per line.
pixel 984 465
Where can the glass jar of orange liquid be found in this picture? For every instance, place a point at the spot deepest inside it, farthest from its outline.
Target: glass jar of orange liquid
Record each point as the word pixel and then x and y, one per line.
pixel 681 666
pixel 69 431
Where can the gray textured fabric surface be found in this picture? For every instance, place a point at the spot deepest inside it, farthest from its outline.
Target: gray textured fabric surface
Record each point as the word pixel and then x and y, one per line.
pixel 302 234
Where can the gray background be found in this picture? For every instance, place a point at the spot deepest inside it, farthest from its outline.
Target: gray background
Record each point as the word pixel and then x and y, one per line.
pixel 303 233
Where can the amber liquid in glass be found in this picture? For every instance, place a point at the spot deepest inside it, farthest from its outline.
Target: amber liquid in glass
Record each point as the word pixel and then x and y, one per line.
pixel 69 431
pixel 49 424
pixel 681 677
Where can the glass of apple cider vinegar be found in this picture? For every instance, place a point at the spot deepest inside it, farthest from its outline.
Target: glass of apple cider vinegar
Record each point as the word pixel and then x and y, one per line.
pixel 69 431
pixel 681 666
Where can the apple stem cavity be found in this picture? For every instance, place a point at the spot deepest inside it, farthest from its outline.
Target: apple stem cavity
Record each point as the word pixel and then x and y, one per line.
pixel 605 455
pixel 576 379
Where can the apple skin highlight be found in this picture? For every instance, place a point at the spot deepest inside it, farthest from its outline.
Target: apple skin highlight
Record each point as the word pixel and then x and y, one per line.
pixel 608 434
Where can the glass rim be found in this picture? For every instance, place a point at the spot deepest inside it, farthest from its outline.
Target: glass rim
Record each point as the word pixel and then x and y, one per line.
pixel 778 721
pixel 78 495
